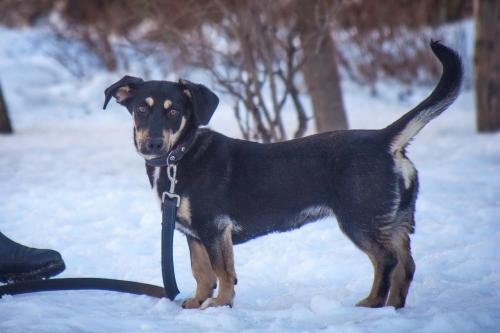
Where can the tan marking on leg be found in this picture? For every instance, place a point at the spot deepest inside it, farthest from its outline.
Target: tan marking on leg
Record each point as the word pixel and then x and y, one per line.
pixel 206 280
pixel 402 275
pixel 150 101
pixel 167 104
pixel 184 211
pixel 383 265
pixel 223 265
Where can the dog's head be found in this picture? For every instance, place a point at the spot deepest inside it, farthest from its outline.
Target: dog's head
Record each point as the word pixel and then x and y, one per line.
pixel 162 110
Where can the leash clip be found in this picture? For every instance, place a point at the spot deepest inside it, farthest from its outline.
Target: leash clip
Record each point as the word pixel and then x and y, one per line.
pixel 172 176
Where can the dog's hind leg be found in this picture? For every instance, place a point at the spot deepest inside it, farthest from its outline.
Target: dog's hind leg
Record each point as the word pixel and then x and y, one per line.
pixel 403 273
pixel 366 236
pixel 383 261
pixel 221 257
pixel 206 281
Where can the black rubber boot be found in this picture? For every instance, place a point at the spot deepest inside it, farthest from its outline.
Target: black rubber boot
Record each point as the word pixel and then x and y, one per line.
pixel 21 263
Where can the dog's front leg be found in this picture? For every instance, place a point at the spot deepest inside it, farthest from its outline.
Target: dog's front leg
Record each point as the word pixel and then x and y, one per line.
pixel 206 281
pixel 221 257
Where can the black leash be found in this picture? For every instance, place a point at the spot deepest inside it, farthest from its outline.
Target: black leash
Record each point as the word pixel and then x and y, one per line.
pixel 82 284
pixel 170 203
pixel 170 286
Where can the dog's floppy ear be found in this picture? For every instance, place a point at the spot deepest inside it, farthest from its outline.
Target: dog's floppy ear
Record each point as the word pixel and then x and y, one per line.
pixel 204 100
pixel 122 90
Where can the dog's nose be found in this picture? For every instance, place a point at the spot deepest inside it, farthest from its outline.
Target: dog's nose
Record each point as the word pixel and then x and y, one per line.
pixel 154 145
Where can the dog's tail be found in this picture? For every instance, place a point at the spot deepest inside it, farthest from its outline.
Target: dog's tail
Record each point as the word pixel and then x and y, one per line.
pixel 405 128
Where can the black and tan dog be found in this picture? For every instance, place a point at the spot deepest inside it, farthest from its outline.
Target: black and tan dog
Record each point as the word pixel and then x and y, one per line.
pixel 234 190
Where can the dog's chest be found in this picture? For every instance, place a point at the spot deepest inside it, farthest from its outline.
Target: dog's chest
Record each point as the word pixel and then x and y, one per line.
pixel 183 221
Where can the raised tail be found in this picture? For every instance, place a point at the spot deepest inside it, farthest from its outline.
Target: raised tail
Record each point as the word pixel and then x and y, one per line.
pixel 405 128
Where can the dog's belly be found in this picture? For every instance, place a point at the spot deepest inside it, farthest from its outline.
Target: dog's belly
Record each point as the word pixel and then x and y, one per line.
pixel 284 221
pixel 310 214
pixel 245 229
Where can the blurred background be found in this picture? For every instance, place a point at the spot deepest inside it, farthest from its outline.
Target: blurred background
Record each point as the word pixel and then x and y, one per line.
pixel 267 58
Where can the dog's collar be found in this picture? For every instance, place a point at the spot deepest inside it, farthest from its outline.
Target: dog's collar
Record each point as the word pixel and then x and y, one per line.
pixel 176 154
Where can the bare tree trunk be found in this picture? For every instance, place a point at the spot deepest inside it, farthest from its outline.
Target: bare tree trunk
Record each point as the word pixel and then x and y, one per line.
pixel 5 126
pixel 320 67
pixel 487 64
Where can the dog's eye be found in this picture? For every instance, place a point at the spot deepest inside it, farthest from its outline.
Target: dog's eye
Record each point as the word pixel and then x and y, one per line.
pixel 142 108
pixel 172 113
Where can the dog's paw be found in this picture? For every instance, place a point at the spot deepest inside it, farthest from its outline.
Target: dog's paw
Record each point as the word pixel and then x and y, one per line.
pixel 191 303
pixel 214 302
pixel 370 303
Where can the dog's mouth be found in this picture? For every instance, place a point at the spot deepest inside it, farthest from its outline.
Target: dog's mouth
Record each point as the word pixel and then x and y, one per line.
pixel 150 156
pixel 147 157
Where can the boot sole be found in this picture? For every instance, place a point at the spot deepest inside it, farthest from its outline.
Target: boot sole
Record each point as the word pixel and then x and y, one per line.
pixel 45 272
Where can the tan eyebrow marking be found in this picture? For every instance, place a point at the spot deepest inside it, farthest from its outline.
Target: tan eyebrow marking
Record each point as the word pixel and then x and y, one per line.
pixel 167 103
pixel 187 93
pixel 150 101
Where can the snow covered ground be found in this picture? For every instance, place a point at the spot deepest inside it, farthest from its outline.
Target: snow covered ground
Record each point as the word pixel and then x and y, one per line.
pixel 70 180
